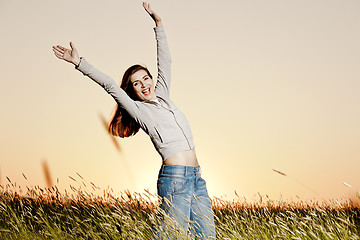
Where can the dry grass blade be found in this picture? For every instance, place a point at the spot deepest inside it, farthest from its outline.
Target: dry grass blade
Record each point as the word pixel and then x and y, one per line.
pixel 47 174
pixel 279 172
pixel 299 182
pixel 119 149
pixel 94 186
pixel 8 179
pixel 113 139
pixel 79 175
pixel 72 178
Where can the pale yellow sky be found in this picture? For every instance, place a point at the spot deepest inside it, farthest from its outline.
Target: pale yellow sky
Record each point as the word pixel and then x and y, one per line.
pixel 264 84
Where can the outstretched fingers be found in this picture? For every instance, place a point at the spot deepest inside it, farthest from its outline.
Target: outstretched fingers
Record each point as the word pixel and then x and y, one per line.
pixel 58 52
pixel 61 48
pixel 60 56
pixel 69 55
pixel 152 14
pixel 72 46
pixel 147 8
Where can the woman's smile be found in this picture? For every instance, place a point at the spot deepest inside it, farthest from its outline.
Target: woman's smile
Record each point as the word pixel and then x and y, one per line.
pixel 143 85
pixel 146 91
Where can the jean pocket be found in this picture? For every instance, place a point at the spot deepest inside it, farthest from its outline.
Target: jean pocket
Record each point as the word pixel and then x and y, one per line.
pixel 162 188
pixel 179 185
pixel 201 184
pixel 168 186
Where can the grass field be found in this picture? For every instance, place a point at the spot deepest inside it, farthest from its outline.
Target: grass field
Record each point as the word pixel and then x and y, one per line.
pixel 47 214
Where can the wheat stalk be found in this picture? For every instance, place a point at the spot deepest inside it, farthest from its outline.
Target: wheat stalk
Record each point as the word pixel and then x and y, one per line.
pixel 47 174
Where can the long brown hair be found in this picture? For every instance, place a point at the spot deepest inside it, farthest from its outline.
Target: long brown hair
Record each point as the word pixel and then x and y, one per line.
pixel 122 124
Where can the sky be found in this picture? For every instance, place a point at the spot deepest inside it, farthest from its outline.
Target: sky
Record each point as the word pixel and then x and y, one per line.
pixel 264 84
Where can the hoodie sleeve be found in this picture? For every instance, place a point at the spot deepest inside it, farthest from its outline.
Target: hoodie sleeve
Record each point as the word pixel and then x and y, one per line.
pixel 110 87
pixel 163 63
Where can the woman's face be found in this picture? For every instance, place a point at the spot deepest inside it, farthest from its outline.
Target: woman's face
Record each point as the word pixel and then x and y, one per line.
pixel 143 85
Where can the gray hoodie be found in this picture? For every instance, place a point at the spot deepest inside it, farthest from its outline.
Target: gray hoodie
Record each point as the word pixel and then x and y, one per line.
pixel 165 124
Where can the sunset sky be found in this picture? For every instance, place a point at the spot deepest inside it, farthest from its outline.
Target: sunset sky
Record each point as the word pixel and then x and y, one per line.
pixel 265 84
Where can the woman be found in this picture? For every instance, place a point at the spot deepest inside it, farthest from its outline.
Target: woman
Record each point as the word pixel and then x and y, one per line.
pixel 142 104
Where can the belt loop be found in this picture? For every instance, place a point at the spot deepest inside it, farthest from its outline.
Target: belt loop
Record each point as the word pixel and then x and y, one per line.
pixel 186 168
pixel 161 169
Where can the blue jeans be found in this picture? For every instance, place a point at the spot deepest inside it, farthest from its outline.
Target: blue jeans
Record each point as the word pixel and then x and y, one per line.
pixel 184 198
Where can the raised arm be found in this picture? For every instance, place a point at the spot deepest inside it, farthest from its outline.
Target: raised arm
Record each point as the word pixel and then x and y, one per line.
pixel 120 96
pixel 110 86
pixel 163 55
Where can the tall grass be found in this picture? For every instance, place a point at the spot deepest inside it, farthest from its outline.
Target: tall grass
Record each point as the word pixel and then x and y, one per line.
pixel 45 213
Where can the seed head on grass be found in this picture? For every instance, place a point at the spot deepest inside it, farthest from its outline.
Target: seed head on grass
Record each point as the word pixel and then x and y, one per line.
pixel 47 174
pixel 279 172
pixel 80 175
pixel 24 176
pixel 8 179
pixel 72 178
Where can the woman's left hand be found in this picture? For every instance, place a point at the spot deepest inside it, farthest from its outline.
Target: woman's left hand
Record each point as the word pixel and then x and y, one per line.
pixel 69 55
pixel 152 14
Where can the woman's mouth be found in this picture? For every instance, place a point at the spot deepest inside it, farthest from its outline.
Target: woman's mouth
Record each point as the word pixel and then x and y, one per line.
pixel 146 91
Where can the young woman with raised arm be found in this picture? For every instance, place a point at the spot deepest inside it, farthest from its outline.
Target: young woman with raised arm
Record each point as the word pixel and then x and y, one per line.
pixel 143 104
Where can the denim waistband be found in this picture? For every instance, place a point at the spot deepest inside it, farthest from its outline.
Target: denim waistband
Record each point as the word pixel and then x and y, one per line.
pixel 177 170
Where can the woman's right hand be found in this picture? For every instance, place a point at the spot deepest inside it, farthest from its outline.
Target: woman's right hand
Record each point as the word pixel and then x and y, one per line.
pixel 69 55
pixel 152 14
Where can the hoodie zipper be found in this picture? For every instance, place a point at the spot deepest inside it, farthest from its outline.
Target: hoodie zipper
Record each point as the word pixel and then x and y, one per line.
pixel 187 140
pixel 180 128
